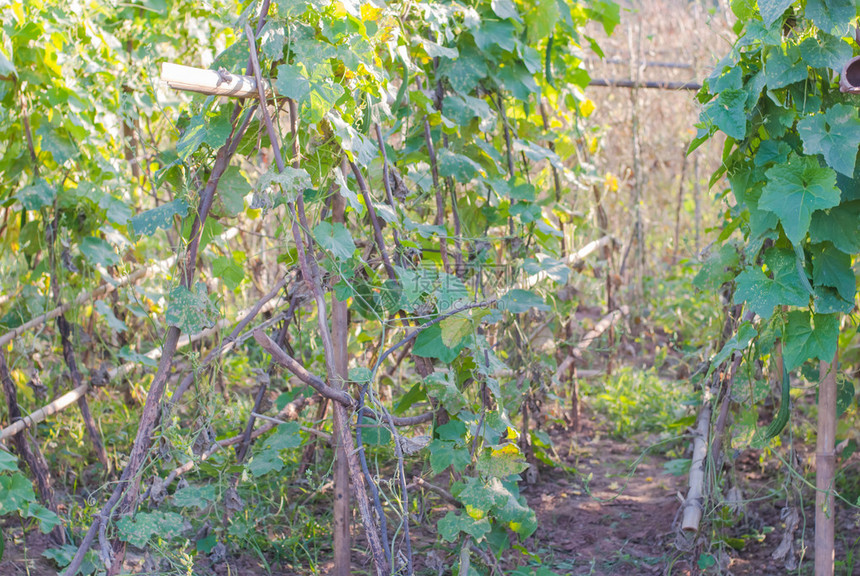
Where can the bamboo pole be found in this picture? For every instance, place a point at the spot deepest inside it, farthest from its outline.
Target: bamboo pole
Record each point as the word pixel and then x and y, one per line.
pixel 654 85
pixel 695 496
pixel 825 464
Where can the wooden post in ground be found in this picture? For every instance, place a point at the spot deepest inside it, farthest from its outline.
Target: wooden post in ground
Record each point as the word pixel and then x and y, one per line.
pixel 340 338
pixel 825 462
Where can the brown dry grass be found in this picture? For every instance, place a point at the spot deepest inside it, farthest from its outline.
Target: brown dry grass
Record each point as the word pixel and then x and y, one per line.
pixel 692 32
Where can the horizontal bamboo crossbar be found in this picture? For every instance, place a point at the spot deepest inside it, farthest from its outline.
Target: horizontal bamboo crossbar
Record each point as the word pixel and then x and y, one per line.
pixel 658 85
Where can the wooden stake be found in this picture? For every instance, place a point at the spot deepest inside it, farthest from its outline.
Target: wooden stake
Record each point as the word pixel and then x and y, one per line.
pixel 825 464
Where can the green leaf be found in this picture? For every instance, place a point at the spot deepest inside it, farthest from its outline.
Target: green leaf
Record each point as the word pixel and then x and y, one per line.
pixel 37 195
pixel 232 189
pixel 771 10
pixel 832 267
pixel 809 336
pixel 189 311
pixel 825 51
pixel 291 181
pixel 506 9
pixel 138 529
pixel 437 51
pixel 833 16
pixel 130 355
pixel 115 209
pixel 292 82
pixel 736 343
pixel 718 269
pixel 359 147
pixel 501 34
pixel 8 69
pixel 264 462
pixel 763 293
pixel 502 462
pixel 452 431
pixel 457 166
pixel 844 394
pixel 728 114
pixel 466 71
pixel 286 436
pixel 440 386
pixel 58 143
pixel 196 496
pixel 192 138
pixel 482 495
pixel 415 394
pixel 784 68
pixel 541 20
pixel 47 519
pixel 839 225
pixel 795 190
pixel 115 324
pixel 517 301
pixel 8 463
pixel 455 329
pixel 835 135
pixel 15 492
pixel 444 454
pixel 228 271
pixel 336 239
pixel 98 251
pixel 453 523
pixel 429 344
pixel 147 223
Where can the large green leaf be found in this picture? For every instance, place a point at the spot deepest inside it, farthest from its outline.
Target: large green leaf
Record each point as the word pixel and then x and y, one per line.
pixel 517 301
pixel 771 10
pixel 37 195
pixel 728 113
pixel 782 68
pixel 189 311
pixel 505 9
pixel 453 523
pixel 825 51
pixel 147 223
pixel 292 82
pixel 98 251
pixel 429 344
pixel 835 135
pixel 832 267
pixel 138 529
pixel 15 491
pixel 444 454
pixel 839 225
pixel 360 148
pixel 781 287
pixel 809 336
pixel 335 238
pixel 8 463
pixel 797 189
pixel 833 16
pixel 466 71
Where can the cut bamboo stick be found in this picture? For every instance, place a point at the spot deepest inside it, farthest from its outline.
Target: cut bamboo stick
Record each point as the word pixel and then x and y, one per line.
pixel 694 501
pixel 212 82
